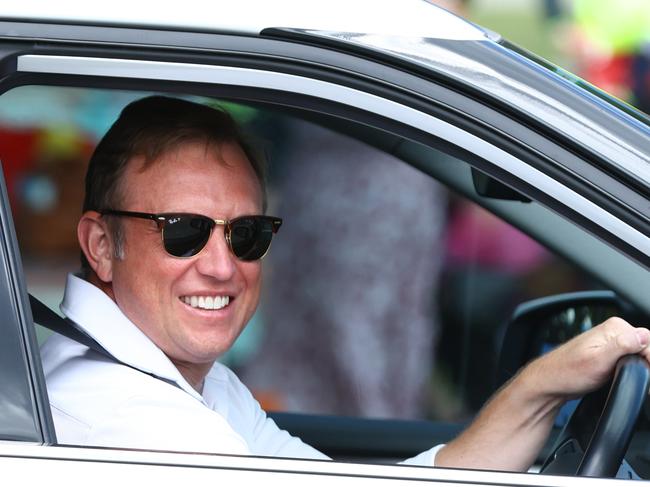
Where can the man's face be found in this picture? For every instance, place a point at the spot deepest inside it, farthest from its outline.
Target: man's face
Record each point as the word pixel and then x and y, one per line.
pixel 151 287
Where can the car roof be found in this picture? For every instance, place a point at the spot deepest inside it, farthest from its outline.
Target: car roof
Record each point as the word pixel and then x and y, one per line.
pixel 417 18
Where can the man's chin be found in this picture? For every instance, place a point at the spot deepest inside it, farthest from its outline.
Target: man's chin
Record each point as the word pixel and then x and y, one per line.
pixel 207 352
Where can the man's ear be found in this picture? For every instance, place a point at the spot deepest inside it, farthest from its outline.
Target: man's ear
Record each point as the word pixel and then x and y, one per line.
pixel 96 243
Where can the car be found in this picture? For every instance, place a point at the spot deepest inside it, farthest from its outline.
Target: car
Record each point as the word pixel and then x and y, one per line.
pixel 527 188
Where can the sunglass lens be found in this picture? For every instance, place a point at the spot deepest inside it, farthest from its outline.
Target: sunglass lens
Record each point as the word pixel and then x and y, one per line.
pixel 185 236
pixel 250 237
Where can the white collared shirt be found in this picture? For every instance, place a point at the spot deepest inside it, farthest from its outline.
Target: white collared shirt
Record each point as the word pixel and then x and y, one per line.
pixel 97 401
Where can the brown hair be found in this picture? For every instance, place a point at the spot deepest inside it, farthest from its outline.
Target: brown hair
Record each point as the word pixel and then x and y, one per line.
pixel 150 127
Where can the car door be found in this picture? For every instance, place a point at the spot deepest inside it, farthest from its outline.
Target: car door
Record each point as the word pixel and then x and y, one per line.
pixel 417 112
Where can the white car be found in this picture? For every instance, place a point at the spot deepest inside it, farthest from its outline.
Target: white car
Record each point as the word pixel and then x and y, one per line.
pixel 502 130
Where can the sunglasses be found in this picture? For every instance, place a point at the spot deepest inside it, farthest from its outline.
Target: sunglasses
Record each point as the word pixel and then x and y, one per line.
pixel 186 234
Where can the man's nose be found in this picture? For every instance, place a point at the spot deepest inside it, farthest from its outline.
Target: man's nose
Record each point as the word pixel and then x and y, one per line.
pixel 216 259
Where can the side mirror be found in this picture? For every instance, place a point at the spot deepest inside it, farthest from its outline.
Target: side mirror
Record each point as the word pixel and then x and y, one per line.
pixel 540 325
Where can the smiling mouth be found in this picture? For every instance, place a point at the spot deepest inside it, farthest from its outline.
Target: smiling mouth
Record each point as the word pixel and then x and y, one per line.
pixel 206 302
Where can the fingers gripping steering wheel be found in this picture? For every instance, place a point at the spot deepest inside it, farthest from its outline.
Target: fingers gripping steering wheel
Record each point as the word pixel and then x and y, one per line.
pixel 611 415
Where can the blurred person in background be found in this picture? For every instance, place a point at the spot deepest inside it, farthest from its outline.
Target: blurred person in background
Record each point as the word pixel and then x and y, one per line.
pixel 609 42
pixel 362 320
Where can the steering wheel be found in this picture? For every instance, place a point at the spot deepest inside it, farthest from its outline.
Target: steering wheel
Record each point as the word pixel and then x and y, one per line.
pixel 611 415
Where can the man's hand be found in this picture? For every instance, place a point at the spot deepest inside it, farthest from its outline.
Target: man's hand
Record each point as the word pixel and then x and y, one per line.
pixel 513 426
pixel 585 363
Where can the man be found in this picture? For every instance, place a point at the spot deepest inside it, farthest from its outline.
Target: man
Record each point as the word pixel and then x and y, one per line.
pixel 167 291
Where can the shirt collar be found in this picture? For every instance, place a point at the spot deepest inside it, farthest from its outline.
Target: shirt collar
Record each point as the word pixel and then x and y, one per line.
pixel 98 315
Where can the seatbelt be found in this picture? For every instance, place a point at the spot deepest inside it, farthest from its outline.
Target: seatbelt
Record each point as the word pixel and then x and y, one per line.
pixel 44 316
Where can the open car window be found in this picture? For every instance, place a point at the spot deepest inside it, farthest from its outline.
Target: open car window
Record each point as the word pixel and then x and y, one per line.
pixel 387 292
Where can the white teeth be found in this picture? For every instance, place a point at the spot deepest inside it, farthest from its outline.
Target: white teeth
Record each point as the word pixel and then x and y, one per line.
pixel 206 302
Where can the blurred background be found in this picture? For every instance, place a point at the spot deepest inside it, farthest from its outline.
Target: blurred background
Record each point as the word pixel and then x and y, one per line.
pixel 607 43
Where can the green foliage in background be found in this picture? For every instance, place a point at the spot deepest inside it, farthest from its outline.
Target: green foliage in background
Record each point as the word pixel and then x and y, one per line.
pixel 522 23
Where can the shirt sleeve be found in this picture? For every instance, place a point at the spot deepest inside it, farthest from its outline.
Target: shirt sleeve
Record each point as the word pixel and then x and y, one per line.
pixel 260 432
pixel 425 459
pixel 265 438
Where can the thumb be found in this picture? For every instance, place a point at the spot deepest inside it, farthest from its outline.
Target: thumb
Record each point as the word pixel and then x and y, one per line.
pixel 633 340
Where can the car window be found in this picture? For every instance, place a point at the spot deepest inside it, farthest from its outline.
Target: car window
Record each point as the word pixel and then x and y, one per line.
pixel 386 294
pixel 389 292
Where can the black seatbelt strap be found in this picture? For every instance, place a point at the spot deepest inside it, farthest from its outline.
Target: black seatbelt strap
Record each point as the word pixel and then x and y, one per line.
pixel 44 316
